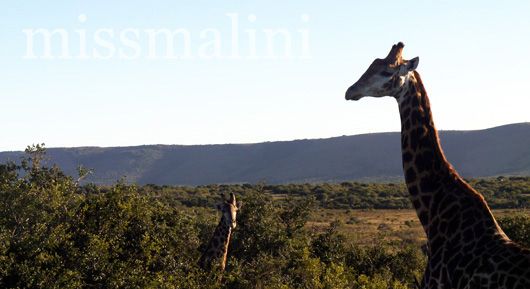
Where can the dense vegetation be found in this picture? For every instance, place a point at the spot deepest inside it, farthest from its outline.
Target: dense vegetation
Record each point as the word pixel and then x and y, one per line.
pixel 500 192
pixel 56 233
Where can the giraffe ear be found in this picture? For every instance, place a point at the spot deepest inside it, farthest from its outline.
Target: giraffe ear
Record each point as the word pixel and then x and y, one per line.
pixel 239 205
pixel 413 63
pixel 409 66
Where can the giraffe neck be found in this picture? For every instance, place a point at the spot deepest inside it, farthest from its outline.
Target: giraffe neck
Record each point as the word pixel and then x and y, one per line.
pixel 216 251
pixel 438 193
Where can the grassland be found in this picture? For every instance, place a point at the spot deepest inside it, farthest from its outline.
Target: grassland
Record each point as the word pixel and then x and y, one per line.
pixel 368 225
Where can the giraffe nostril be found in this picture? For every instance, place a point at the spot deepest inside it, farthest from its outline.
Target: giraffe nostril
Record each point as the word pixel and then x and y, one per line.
pixel 353 94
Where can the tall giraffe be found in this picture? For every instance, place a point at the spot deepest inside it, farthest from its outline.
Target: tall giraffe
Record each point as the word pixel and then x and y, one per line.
pixel 467 248
pixel 217 249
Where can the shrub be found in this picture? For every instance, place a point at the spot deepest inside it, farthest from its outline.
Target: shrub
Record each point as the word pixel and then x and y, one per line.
pixel 517 227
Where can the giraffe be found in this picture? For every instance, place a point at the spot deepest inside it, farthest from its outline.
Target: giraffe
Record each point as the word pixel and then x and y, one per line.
pixel 466 246
pixel 214 257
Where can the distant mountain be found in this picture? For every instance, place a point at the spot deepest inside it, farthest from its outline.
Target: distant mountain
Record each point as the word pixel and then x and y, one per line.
pixel 503 150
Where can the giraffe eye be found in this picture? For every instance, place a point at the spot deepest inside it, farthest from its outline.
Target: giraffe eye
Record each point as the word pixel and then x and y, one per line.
pixel 386 74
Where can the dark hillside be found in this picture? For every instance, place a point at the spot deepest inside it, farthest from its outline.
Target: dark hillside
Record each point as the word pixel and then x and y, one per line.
pixel 503 150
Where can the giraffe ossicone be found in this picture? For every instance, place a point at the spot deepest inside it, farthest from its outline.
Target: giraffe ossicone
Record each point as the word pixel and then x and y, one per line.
pixel 214 256
pixel 466 246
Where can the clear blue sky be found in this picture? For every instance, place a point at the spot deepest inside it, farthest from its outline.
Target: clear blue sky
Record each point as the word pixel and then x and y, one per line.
pixel 474 59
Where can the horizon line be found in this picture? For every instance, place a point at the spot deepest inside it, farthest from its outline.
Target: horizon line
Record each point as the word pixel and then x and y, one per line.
pixel 259 142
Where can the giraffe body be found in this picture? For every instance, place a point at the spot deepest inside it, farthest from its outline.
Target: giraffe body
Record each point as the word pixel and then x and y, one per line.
pixel 214 257
pixel 467 248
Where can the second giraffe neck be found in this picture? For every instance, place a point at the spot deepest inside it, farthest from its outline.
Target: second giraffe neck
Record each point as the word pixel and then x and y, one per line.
pixel 431 180
pixel 222 233
pixel 216 252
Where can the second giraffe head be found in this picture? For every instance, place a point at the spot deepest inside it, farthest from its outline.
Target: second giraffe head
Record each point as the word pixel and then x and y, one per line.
pixel 229 209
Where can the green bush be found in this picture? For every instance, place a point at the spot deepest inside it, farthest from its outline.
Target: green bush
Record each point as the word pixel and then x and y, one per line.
pixel 56 233
pixel 517 227
pixel 511 192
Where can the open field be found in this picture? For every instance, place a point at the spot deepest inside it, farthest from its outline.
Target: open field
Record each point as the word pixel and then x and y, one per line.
pixel 365 226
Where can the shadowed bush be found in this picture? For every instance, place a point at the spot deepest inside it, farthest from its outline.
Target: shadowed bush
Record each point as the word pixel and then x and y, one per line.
pixel 517 227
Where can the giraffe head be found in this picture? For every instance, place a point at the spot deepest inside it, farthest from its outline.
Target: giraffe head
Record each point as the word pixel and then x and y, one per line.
pixel 229 209
pixel 384 77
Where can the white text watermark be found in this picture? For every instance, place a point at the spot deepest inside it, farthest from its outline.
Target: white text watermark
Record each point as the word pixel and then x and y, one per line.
pixel 241 40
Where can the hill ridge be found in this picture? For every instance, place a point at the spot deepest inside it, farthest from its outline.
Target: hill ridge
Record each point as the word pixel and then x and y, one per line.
pixel 502 150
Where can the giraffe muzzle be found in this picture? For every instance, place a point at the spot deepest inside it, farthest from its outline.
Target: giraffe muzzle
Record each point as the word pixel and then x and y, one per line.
pixel 353 94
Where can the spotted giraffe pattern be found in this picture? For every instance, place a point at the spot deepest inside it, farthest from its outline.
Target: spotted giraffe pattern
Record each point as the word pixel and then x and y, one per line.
pixel 217 249
pixel 466 247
